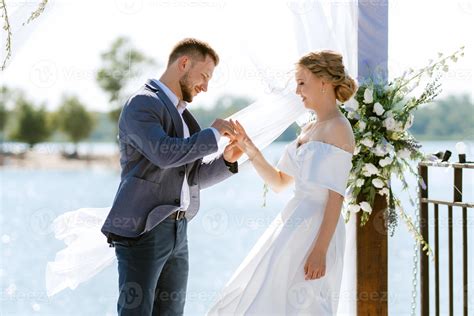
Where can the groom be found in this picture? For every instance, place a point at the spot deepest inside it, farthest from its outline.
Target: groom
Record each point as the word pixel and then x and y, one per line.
pixel 161 151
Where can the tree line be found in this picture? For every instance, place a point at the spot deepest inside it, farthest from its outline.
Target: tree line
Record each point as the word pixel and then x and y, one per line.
pixel 24 121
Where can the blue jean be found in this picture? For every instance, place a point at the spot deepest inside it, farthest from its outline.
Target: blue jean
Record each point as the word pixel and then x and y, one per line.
pixel 153 271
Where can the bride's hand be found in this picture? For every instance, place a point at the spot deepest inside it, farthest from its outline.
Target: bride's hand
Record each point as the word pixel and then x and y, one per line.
pixel 315 266
pixel 243 140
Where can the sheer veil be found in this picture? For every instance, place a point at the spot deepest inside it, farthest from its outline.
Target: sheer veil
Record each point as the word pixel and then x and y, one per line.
pixel 317 25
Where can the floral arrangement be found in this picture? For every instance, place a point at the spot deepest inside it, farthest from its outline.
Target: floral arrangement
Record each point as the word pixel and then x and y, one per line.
pixel 381 114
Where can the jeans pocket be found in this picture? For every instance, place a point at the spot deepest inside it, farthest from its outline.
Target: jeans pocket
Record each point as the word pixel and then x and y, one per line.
pixel 121 243
pixel 125 242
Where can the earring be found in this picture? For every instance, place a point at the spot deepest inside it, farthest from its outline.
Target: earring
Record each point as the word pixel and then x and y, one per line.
pixel 323 90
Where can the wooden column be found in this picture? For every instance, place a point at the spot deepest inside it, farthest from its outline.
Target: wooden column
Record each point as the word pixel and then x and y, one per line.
pixel 372 256
pixel 372 260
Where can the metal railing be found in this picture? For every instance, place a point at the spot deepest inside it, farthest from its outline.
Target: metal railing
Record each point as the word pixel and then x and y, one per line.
pixel 425 232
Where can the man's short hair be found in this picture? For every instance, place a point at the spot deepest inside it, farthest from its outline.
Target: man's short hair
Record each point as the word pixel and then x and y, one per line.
pixel 193 47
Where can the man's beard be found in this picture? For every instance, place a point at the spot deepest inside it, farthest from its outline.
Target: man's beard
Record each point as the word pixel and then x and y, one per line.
pixel 186 89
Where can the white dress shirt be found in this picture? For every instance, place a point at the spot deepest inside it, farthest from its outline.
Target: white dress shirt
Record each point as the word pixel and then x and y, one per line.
pixel 181 106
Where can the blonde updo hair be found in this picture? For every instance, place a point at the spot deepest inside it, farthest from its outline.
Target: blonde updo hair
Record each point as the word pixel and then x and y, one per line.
pixel 328 65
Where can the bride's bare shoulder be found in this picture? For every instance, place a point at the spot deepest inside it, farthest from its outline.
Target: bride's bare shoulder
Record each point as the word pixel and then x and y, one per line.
pixel 307 126
pixel 339 133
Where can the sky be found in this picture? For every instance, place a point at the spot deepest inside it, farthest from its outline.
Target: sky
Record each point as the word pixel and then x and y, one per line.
pixel 59 53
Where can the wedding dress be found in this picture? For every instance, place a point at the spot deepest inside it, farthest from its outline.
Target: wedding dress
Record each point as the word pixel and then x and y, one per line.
pixel 270 280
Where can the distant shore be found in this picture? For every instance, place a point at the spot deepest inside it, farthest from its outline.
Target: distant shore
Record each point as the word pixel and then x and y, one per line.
pixel 53 156
pixel 56 161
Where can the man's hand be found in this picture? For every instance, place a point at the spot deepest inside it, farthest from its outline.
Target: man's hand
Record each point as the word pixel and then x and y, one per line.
pixel 232 152
pixel 225 128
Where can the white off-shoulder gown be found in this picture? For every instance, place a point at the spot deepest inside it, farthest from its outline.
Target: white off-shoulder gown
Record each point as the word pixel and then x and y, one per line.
pixel 270 280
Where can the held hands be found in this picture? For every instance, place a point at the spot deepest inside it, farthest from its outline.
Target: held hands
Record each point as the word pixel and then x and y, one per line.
pixel 240 142
pixel 243 141
pixel 231 152
pixel 315 266
pixel 225 128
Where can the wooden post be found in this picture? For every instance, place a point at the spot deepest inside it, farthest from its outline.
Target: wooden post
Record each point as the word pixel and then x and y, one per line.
pixel 423 219
pixel 372 256
pixel 372 259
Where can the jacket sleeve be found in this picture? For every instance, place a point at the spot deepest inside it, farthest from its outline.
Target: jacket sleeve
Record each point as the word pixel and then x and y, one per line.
pixel 214 172
pixel 142 126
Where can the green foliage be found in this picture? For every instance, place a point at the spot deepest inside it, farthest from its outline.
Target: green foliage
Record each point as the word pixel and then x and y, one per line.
pixel 3 117
pixel 8 98
pixel 104 130
pixel 3 109
pixel 448 118
pixel 74 120
pixel 33 125
pixel 120 64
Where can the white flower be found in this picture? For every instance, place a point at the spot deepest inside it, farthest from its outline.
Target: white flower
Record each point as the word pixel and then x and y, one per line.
pixel 409 122
pixel 359 183
pixel 367 142
pixel 361 125
pixel 368 96
pixel 380 150
pixel 389 123
pixel 384 191
pixel 351 115
pixel 352 104
pixel 388 113
pixel 366 207
pixel 378 183
pixel 390 148
pixel 398 126
pixel 353 208
pixel 385 161
pixel 357 150
pixel 403 153
pixel 369 169
pixel 378 109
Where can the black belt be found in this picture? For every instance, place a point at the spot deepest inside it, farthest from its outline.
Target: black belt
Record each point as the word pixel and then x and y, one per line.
pixel 179 214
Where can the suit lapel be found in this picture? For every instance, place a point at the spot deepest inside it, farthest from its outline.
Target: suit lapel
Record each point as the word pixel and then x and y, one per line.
pixel 173 111
pixel 193 125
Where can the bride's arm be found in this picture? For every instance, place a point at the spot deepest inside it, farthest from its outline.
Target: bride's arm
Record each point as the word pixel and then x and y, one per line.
pixel 275 179
pixel 315 266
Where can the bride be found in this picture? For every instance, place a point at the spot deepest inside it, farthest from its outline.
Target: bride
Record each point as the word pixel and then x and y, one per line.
pixel 296 268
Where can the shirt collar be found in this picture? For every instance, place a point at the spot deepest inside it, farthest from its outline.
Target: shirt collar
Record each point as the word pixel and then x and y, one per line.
pixel 179 104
